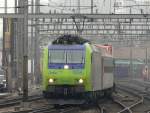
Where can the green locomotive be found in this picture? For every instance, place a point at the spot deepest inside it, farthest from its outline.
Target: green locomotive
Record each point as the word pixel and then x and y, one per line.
pixel 77 70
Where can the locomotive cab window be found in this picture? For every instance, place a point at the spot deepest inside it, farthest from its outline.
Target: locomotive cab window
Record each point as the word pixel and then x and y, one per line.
pixel 62 56
pixel 75 56
pixel 57 56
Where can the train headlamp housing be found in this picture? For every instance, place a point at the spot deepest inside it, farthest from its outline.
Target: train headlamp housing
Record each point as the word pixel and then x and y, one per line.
pixel 80 81
pixel 66 67
pixel 51 80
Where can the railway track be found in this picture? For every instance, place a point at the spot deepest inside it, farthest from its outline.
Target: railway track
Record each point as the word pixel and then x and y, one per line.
pixel 118 105
pixel 146 99
pixel 48 109
pixel 144 85
pixel 129 106
pixel 63 109
pixel 138 89
pixel 17 100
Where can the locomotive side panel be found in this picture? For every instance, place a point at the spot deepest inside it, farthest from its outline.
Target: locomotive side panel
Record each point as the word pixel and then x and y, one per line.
pixel 108 77
pixel 96 71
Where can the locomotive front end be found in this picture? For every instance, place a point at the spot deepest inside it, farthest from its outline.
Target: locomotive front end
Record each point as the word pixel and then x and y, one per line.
pixel 64 71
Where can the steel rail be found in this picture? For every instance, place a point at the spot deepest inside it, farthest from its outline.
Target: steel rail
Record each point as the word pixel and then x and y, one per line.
pixel 43 109
pixel 128 108
pixel 125 108
pixel 11 102
pixel 101 109
pixel 69 110
pixel 138 91
pixel 142 84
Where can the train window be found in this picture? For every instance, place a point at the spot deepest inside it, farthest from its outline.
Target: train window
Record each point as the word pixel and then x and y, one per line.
pixel 75 56
pixel 108 69
pixel 108 65
pixel 57 56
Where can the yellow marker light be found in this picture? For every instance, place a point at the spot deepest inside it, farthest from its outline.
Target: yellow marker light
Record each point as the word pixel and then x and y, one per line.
pixel 66 67
pixel 51 80
pixel 81 81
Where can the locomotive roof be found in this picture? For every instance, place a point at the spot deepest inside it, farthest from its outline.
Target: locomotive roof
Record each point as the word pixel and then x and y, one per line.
pixel 60 47
pixel 69 39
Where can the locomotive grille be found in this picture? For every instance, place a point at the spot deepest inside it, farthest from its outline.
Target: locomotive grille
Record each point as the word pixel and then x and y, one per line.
pixel 66 90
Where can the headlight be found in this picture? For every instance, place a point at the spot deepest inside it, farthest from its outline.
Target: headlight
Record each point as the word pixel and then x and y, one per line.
pixel 51 80
pixel 81 81
pixel 66 67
